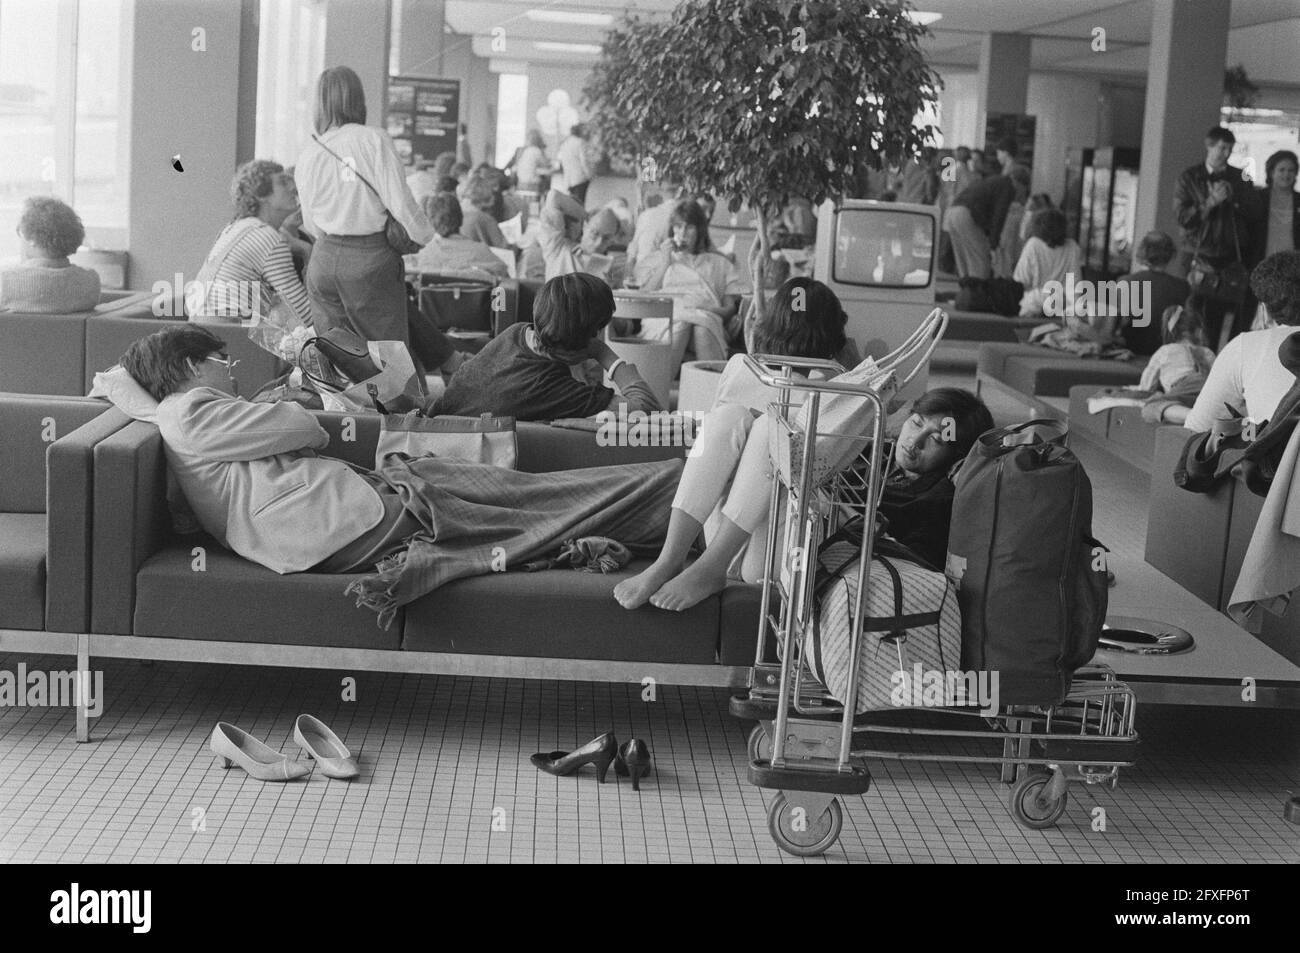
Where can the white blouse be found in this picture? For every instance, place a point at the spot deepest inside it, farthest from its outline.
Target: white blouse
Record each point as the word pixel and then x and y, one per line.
pixel 334 199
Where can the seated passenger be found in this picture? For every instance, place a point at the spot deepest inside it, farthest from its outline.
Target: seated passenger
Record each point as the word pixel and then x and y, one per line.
pixel 653 224
pixel 1048 256
pixel 1248 375
pixel 450 252
pixel 1160 291
pixel 708 286
pixel 525 372
pixel 1177 372
pixel 568 246
pixel 46 282
pixel 725 488
pixel 251 260
pixel 477 197
pixel 252 476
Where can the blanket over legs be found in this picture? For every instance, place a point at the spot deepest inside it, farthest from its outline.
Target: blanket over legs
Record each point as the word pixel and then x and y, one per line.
pixel 476 516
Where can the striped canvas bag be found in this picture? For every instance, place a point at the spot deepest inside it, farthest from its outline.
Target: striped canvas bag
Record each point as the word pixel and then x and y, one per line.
pixel 911 617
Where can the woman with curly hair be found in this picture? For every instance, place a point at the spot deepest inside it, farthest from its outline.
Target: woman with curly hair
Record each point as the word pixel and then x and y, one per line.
pixel 46 282
pixel 478 197
pixel 251 260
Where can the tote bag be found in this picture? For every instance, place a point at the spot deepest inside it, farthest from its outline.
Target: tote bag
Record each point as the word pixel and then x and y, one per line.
pixel 484 439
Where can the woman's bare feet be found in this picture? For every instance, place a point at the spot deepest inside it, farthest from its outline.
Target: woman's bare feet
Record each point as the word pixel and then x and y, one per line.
pixel 635 592
pixel 692 586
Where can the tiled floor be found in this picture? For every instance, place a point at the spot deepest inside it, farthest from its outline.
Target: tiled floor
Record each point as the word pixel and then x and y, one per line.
pixel 446 777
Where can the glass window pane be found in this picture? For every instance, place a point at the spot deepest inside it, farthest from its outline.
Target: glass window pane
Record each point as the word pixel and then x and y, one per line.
pixel 102 170
pixel 512 115
pixel 291 55
pixel 28 107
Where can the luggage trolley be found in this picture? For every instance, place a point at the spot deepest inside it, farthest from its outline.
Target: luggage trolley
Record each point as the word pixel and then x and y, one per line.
pixel 803 747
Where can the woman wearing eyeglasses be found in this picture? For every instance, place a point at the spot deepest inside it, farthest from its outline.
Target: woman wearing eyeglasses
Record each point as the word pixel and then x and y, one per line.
pixel 252 476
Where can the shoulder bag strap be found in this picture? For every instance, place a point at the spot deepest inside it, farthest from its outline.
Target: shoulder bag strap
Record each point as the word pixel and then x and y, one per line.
pixel 354 169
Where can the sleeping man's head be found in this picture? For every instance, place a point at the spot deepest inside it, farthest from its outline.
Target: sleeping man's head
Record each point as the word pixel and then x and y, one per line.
pixel 178 359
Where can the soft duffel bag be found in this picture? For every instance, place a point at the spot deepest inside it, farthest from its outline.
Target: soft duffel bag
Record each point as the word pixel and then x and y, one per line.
pixel 1030 578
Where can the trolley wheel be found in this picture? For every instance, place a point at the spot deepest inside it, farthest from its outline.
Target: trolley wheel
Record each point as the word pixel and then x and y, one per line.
pixel 804 836
pixel 1030 805
pixel 759 746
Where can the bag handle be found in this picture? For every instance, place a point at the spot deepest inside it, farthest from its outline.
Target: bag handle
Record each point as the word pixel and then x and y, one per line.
pixel 994 440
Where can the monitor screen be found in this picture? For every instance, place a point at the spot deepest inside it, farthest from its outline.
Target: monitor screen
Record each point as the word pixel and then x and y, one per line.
pixel 883 247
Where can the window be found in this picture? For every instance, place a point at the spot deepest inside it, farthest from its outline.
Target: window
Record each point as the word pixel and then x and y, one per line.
pixel 512 115
pixel 290 57
pixel 883 247
pixel 61 114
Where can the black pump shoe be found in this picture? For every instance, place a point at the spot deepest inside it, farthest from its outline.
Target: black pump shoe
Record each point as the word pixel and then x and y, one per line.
pixel 634 759
pixel 599 751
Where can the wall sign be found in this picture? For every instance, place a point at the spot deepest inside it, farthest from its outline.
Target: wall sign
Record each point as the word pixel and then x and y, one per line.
pixel 422 116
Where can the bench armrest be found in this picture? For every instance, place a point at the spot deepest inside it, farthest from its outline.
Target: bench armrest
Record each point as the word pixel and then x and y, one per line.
pixel 131 521
pixel 69 495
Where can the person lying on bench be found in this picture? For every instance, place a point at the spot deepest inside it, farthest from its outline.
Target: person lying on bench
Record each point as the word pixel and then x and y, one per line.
pixel 252 477
pixel 525 371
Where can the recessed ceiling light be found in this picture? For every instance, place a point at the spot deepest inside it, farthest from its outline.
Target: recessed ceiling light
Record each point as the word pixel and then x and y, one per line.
pixel 550 47
pixel 923 19
pixel 566 16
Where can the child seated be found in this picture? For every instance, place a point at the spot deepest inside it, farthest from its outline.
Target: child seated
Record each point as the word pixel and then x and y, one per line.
pixel 725 488
pixel 525 371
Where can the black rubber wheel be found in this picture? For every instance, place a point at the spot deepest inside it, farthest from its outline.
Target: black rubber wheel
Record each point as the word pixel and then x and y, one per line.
pixel 759 746
pixel 1030 806
pixel 804 836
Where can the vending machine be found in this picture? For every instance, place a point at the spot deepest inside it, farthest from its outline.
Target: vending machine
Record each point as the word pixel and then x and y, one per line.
pixel 1107 225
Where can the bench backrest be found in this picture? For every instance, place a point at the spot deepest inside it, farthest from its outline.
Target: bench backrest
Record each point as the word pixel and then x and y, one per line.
pixel 108 338
pixel 29 424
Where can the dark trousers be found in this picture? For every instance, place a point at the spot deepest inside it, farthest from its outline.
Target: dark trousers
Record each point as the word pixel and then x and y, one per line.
pixel 1217 313
pixel 357 282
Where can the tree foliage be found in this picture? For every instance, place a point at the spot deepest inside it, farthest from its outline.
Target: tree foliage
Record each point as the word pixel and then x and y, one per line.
pixel 758 100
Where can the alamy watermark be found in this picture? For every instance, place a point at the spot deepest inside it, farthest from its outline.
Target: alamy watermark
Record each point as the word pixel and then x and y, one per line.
pixel 1124 299
pixel 226 299
pixel 659 428
pixel 57 689
pixel 921 688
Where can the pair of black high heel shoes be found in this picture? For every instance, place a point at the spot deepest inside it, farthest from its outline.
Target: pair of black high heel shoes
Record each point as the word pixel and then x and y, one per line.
pixel 632 759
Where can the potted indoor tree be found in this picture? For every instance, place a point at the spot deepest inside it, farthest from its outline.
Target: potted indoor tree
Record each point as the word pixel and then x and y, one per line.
pixel 762 100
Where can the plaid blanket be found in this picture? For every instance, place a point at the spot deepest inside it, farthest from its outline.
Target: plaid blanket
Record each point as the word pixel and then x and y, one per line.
pixel 478 519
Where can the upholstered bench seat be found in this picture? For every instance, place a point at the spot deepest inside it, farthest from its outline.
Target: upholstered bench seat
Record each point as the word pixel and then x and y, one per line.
pixel 1054 378
pixel 22 571
pixel 558 613
pixel 234 600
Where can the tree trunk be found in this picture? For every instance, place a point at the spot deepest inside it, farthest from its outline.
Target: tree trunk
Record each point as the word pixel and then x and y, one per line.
pixel 760 257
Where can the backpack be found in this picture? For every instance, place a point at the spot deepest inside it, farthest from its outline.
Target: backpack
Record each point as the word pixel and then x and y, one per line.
pixel 1031 581
pixel 910 618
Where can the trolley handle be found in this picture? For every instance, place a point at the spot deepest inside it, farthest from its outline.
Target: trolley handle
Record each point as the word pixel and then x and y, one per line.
pixel 755 364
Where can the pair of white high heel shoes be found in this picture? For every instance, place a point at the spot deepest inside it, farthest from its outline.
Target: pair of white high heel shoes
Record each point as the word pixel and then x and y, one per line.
pixel 233 745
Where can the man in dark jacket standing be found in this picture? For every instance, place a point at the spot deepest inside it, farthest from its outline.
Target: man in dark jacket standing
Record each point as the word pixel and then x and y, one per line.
pixel 974 222
pixel 1213 205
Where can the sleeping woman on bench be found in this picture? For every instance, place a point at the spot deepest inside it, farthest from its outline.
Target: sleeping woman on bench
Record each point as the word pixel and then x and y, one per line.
pixel 252 476
pixel 725 488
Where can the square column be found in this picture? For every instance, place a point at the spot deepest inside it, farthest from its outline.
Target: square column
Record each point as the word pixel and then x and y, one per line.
pixel 1189 46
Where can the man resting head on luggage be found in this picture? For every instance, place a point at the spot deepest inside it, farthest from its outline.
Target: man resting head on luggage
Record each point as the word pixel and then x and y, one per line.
pixel 251 474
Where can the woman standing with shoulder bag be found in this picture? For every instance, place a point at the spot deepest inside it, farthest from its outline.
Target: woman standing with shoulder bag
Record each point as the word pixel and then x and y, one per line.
pixel 356 200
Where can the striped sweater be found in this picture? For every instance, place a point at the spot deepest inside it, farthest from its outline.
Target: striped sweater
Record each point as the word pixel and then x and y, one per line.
pixel 248 264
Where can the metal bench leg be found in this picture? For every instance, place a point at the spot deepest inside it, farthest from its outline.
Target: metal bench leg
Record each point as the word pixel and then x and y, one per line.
pixel 83 696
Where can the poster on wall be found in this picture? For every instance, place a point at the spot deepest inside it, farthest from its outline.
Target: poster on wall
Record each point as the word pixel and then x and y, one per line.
pixel 422 116
pixel 1016 126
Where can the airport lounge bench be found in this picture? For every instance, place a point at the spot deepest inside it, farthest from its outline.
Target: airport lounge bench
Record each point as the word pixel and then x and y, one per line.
pixel 1118 431
pixel 154 596
pixel 1026 373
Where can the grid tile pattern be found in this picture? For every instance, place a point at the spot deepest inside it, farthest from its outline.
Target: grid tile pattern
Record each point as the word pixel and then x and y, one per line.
pixel 446 778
